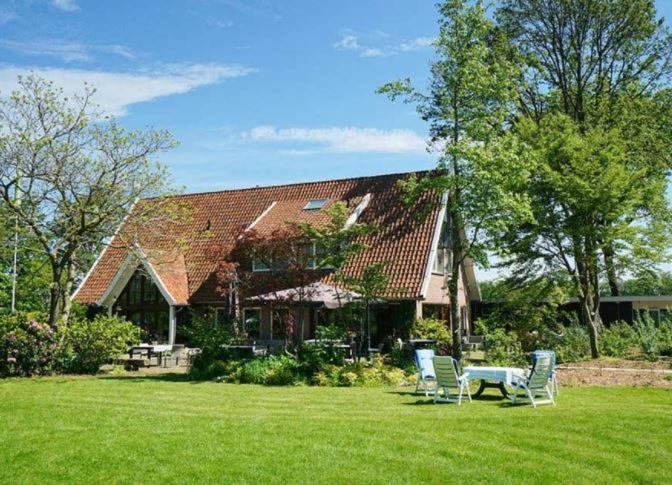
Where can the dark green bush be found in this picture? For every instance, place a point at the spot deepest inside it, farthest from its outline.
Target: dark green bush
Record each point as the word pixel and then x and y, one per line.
pixel 647 335
pixel 87 345
pixel 617 340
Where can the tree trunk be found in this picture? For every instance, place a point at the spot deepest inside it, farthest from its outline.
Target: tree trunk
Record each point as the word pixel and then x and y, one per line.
pixel 453 285
pixel 67 294
pixel 612 277
pixel 592 321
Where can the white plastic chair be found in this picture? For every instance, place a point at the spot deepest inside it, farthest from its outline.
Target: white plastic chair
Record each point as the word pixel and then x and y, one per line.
pixel 425 364
pixel 536 384
pixel 448 378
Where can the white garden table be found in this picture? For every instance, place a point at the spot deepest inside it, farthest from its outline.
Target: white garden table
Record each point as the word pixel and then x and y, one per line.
pixel 496 377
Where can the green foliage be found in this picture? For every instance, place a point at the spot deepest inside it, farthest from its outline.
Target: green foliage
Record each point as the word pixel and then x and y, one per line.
pixel 361 373
pixel 27 347
pixel 571 343
pixel 206 334
pixel 647 335
pixel 86 345
pixel 431 328
pixel 273 370
pixel 617 340
pixel 324 351
pixel 501 347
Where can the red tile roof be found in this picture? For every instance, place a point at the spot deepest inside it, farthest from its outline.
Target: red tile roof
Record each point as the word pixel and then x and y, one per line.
pixel 171 269
pixel 218 218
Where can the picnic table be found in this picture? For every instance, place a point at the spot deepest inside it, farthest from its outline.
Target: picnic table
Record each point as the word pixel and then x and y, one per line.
pixel 159 350
pixel 495 377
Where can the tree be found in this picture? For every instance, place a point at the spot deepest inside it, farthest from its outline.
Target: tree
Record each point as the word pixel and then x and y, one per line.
pixel 287 264
pixel 470 99
pixel 596 111
pixel 372 283
pixel 602 63
pixel 295 256
pixel 77 174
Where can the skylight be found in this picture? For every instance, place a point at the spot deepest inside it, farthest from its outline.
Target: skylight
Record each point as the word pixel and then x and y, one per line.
pixel 315 204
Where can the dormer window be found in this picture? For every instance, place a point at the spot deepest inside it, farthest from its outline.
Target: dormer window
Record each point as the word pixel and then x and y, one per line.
pixel 315 204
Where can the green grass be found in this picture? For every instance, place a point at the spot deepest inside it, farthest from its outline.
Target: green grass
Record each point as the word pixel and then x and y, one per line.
pixel 158 430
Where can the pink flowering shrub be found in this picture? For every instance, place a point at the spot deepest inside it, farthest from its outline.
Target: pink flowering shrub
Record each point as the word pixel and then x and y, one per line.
pixel 27 347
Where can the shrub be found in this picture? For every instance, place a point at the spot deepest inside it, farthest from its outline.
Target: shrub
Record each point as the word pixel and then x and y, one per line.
pixel 86 345
pixel 324 351
pixel 360 373
pixel 431 328
pixel 502 347
pixel 617 340
pixel 273 370
pixel 570 343
pixel 665 344
pixel 206 334
pixel 27 347
pixel 647 335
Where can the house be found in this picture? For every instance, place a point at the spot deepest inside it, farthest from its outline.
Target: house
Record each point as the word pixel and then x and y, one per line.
pixel 166 277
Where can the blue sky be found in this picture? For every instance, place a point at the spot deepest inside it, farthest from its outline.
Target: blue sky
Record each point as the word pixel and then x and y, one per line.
pixel 257 92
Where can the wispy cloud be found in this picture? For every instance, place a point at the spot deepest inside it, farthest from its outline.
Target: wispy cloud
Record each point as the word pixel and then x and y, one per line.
pixel 370 45
pixel 339 139
pixel 347 42
pixel 116 91
pixel 66 5
pixel 6 16
pixel 64 50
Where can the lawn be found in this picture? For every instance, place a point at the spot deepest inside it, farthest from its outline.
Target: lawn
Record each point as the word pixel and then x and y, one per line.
pixel 163 430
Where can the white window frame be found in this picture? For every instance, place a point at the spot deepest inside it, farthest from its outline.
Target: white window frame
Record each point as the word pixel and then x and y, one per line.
pixel 311 201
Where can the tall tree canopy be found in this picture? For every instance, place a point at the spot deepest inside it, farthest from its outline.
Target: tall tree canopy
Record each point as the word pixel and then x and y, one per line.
pixel 471 96
pixel 595 107
pixel 70 176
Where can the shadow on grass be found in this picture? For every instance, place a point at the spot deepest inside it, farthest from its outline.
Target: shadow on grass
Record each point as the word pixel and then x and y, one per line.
pixel 167 377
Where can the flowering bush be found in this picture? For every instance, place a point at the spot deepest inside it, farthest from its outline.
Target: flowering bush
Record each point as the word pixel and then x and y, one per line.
pixel 27 347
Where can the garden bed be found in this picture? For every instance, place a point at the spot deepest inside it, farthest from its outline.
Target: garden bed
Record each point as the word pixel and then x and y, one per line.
pixel 616 372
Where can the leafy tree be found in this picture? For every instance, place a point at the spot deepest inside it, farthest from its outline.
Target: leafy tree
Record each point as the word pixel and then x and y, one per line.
pixel 372 283
pixel 33 278
pixel 470 99
pixel 70 176
pixel 595 109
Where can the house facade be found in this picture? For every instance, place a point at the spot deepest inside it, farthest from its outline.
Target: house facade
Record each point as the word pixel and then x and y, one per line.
pixel 157 279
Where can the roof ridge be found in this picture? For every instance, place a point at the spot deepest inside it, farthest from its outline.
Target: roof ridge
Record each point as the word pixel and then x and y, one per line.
pixel 291 184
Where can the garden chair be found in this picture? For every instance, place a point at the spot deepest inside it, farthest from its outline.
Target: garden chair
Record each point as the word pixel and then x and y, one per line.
pixel 536 384
pixel 554 376
pixel 425 364
pixel 449 379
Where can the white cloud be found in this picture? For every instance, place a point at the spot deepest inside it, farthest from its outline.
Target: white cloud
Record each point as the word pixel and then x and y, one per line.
pixel 348 42
pixel 417 44
pixel 370 46
pixel 342 139
pixel 116 91
pixel 66 51
pixel 372 52
pixel 67 5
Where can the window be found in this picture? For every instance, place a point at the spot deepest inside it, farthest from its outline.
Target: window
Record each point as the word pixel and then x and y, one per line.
pixel 439 262
pixel 307 255
pixel 315 204
pixel 252 322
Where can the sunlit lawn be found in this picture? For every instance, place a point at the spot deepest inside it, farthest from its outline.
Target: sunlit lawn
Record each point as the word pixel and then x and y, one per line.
pixel 162 430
